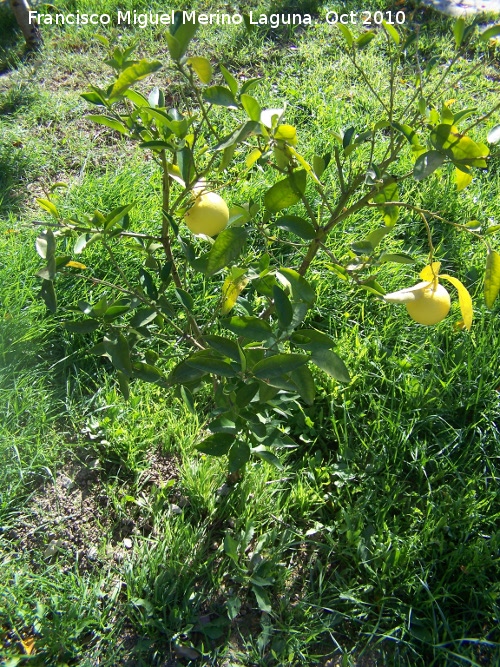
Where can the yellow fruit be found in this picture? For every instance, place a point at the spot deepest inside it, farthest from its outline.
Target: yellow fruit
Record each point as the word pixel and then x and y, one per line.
pixel 208 215
pixel 431 303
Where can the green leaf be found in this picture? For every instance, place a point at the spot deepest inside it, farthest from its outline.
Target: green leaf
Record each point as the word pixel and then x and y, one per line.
pixel 226 249
pixel 304 381
pixel 462 179
pixel 300 289
pixel 48 294
pixel 48 272
pixel 494 135
pixel 46 244
pixel 230 80
pixel 132 74
pixel 108 122
pixel 390 213
pixel 48 206
pixel 184 373
pixel 331 363
pixel 311 339
pixel 492 278
pixel 210 364
pixel 202 67
pixel 119 352
pixel 490 33
pixel 83 327
pixel 94 98
pixel 364 39
pixel 427 163
pixel 286 192
pixel 155 145
pixel 116 215
pixel 392 32
pixel 123 384
pixel 239 454
pixel 263 601
pixel 263 453
pixel 220 95
pixel 188 399
pixel 224 346
pixel 347 34
pixel 216 444
pixel 296 225
pixel 236 137
pixel 185 298
pixel 143 317
pixel 458 31
pixel 246 393
pixel 283 307
pixel 249 327
pixel 183 32
pixel 278 365
pixel 147 283
pixel 251 106
pixel 231 548
pixel 397 258
pixel 147 372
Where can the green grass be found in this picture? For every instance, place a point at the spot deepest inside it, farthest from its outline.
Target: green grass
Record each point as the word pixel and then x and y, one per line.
pixel 379 537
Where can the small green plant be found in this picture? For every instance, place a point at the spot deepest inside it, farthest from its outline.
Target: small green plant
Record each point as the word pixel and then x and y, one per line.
pixel 223 295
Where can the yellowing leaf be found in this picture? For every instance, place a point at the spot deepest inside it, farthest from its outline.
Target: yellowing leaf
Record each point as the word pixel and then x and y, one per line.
pixel 253 157
pixel 304 164
pixel 286 133
pixel 464 299
pixel 430 271
pixel 231 291
pixel 492 278
pixel 76 265
pixel 28 645
pixel 462 179
pixel 202 67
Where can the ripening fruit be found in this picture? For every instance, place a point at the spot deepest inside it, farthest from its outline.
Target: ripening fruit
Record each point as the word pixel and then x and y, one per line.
pixel 431 305
pixel 427 302
pixel 208 215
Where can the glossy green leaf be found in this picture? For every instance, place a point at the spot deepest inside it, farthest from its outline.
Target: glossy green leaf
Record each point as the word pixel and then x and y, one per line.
pixel 331 363
pixel 116 216
pixel 304 381
pixel 226 249
pixel 283 307
pixel 147 372
pixel 147 283
pixel 230 80
pixel 346 33
pixel 119 353
pixel 311 339
pixel 364 39
pixel 185 298
pixel 249 327
pixel 286 192
pixel 396 257
pixel 278 365
pixel 427 163
pixel 299 287
pixel 392 32
pixel 211 364
pixel 246 393
pixel 94 97
pixel 263 453
pixel 143 317
pixel 112 123
pixel 226 346
pixel 492 278
pixel 131 74
pixel 216 444
pixel 220 96
pixel 296 225
pixel 185 373
pixel 251 106
pixel 183 32
pixel 263 601
pixel 236 137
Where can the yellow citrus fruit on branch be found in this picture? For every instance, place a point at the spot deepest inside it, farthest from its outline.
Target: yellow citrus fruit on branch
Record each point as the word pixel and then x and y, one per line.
pixel 427 302
pixel 208 215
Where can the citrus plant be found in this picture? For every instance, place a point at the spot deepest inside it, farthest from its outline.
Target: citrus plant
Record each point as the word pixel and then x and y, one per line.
pixel 234 312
